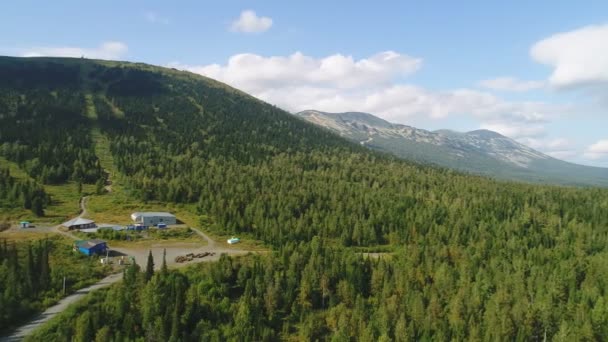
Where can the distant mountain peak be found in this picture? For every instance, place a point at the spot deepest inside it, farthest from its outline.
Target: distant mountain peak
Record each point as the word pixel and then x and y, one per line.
pixel 352 117
pixel 486 133
pixel 480 151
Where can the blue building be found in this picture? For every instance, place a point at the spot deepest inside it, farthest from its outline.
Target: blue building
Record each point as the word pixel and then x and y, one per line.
pixel 91 247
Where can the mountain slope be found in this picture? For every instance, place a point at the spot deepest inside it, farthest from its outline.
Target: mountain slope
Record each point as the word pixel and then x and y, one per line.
pixel 247 167
pixel 523 254
pixel 481 151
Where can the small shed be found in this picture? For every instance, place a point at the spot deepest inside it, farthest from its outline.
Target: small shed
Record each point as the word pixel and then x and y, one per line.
pixel 91 247
pixel 79 223
pixel 24 224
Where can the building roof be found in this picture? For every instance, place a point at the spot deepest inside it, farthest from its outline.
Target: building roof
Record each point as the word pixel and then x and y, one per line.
pixel 78 221
pixel 152 213
pixel 88 244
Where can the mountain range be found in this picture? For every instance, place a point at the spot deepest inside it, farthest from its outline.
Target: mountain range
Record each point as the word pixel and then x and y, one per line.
pixel 481 151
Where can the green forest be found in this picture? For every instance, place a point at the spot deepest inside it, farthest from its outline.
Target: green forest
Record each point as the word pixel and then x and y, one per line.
pixel 27 195
pixel 32 274
pixel 310 291
pixel 471 258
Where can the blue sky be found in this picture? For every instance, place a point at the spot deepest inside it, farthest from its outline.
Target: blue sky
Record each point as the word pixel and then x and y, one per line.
pixel 534 70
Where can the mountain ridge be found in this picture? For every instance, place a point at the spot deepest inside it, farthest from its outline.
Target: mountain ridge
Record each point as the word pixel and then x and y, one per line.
pixel 479 151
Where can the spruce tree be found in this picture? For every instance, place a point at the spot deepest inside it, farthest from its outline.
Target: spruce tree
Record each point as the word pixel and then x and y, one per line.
pixel 37 207
pixel 149 267
pixel 164 268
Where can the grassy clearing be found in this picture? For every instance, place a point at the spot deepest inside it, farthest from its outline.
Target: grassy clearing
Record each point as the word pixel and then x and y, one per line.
pixel 66 201
pixel 247 242
pixel 174 234
pixel 118 113
pixel 15 214
pixel 102 151
pixel 14 235
pixel 116 206
pixel 90 107
pixel 14 169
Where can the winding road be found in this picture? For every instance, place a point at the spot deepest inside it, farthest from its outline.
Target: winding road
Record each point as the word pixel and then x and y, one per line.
pixel 63 304
pixel 140 256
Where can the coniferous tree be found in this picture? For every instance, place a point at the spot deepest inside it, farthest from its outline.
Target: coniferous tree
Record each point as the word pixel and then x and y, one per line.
pixel 149 267
pixel 164 268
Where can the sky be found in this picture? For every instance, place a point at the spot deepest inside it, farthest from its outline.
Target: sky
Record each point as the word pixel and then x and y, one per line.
pixel 536 71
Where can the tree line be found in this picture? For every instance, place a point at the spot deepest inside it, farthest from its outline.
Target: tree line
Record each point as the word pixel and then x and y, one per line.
pixel 46 133
pixel 32 276
pixel 315 291
pixel 22 194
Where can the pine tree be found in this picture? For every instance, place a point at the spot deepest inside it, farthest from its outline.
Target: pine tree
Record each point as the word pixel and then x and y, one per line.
pixel 44 282
pixel 37 206
pixel 164 269
pixel 150 267
pixel 99 186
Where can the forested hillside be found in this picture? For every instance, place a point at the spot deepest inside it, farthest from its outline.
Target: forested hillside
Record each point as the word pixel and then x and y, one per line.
pixel 19 194
pixel 498 288
pixel 32 276
pixel 473 258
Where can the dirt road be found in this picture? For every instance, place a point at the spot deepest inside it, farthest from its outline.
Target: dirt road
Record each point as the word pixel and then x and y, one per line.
pixel 141 256
pixel 51 312
pixel 83 206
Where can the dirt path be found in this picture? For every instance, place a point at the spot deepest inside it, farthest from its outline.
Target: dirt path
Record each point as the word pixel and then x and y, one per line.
pixel 63 304
pixel 141 256
pixel 83 206
pixel 210 242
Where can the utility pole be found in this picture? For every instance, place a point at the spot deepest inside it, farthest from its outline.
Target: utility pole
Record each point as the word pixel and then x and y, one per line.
pixel 64 285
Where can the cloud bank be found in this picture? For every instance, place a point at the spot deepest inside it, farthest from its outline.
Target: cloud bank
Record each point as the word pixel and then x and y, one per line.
pixel 599 150
pixel 374 84
pixel 106 50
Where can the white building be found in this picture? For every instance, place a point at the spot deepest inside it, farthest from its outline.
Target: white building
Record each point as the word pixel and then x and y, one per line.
pixel 153 218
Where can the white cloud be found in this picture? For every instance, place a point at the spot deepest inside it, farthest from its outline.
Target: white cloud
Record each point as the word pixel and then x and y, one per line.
pixel 515 130
pixel 578 57
pixel 598 150
pixel 563 155
pixel 511 84
pixel 559 148
pixel 155 18
pixel 249 22
pixel 107 50
pixel 338 83
pixel 256 73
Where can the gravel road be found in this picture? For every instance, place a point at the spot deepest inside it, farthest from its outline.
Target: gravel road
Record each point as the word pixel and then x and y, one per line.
pixel 141 256
pixel 51 312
